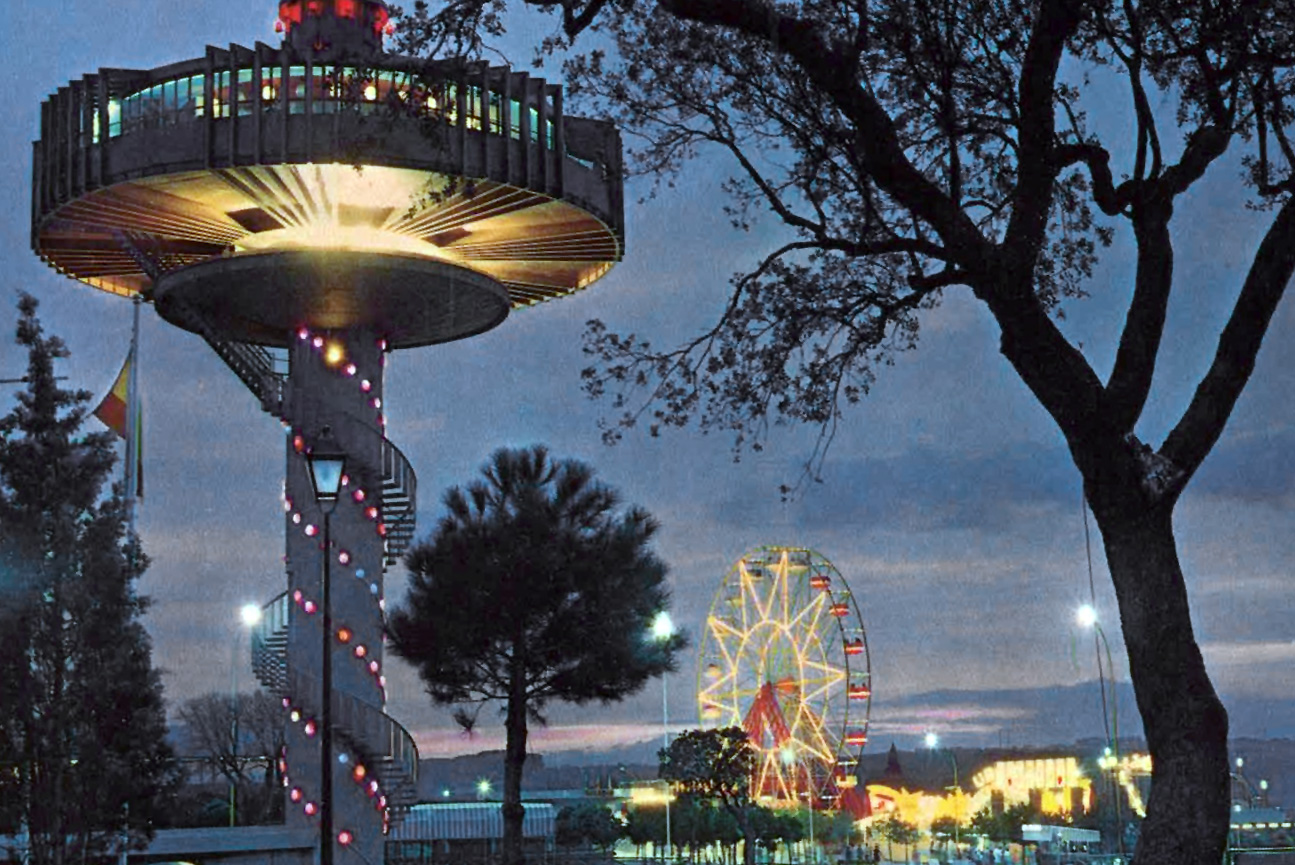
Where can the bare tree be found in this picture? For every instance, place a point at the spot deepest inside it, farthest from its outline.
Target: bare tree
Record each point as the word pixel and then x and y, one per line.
pixel 240 738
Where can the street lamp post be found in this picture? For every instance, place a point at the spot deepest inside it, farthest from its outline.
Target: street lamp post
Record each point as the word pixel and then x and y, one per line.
pixel 662 631
pixel 1087 618
pixel 250 614
pixel 327 465
pixel 933 742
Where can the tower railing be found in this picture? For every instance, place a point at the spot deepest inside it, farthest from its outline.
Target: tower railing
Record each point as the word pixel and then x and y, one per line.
pixel 243 106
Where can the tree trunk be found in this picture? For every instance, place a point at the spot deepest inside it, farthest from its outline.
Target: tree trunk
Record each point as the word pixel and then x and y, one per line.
pixel 514 761
pixel 743 818
pixel 1185 723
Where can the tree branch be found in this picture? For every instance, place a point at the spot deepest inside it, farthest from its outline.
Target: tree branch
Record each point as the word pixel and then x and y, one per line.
pixel 1204 146
pixel 833 70
pixel 1135 360
pixel 1111 199
pixel 573 23
pixel 1211 406
pixel 1036 173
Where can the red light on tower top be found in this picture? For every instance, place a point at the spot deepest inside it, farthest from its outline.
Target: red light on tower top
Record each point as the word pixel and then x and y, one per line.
pixel 331 29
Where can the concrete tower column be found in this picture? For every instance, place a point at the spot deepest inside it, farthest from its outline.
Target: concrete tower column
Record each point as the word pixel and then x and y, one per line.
pixel 335 382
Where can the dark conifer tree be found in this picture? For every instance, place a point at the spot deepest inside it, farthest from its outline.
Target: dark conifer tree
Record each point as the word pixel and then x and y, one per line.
pixel 82 722
pixel 533 588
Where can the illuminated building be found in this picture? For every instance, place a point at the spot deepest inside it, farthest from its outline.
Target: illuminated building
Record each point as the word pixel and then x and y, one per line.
pixel 1057 786
pixel 306 210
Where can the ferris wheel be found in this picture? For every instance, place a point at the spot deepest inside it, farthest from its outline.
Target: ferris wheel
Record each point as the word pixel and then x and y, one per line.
pixel 785 656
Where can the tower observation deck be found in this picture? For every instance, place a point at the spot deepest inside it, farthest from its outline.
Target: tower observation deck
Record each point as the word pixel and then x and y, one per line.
pixel 313 207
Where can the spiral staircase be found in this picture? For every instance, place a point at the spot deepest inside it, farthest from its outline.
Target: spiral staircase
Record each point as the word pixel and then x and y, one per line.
pixel 382 743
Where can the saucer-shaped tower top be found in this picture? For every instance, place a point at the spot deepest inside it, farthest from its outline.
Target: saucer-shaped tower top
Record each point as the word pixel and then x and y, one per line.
pixel 326 184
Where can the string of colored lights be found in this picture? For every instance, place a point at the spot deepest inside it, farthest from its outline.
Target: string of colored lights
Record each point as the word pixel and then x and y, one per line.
pixel 333 357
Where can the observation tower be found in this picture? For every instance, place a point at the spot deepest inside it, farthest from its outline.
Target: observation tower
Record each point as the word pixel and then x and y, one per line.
pixel 307 209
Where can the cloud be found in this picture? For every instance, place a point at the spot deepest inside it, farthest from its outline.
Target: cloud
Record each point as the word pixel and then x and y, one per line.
pixel 1249 654
pixel 444 742
pixel 1251 466
pixel 931 489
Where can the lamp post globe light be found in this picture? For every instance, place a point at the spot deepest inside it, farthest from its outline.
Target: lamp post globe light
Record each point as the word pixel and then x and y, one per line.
pixel 1086 617
pixel 932 741
pixel 250 616
pixel 327 465
pixel 223 191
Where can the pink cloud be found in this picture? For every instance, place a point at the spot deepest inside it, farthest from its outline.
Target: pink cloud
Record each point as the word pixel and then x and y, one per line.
pixel 441 742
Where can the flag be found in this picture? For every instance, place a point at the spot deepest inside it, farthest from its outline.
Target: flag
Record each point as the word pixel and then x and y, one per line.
pixel 113 410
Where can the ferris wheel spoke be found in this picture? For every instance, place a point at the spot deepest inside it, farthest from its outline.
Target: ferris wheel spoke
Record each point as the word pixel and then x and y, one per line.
pixel 827 669
pixel 723 630
pixel 808 616
pixel 762 599
pixel 784 586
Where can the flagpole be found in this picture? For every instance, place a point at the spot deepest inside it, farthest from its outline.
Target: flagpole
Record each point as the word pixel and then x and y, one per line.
pixel 132 420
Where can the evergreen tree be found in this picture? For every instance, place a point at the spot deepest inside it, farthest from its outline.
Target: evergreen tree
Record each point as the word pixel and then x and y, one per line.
pixel 533 588
pixel 588 823
pixel 82 723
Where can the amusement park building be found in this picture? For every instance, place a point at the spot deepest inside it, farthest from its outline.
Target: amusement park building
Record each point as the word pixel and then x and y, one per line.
pixel 1057 786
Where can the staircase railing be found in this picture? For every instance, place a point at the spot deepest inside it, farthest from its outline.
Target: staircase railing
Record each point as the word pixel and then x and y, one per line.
pixel 256 368
pixel 379 740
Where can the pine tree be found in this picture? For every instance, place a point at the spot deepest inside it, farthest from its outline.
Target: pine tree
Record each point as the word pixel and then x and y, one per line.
pixel 84 764
pixel 533 588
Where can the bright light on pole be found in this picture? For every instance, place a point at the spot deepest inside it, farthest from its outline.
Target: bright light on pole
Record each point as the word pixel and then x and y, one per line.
pixel 662 631
pixel 250 616
pixel 662 627
pixel 933 742
pixel 483 788
pixel 1086 616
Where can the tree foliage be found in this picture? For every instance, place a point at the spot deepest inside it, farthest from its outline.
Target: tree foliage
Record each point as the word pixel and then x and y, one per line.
pixel 534 587
pixel 588 823
pixel 1004 826
pixel 84 764
pixel 894 830
pixel 717 765
pixel 911 148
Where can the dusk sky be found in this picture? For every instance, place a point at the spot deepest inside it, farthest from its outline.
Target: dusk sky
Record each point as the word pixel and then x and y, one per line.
pixel 949 502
